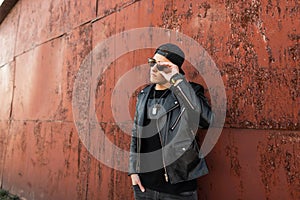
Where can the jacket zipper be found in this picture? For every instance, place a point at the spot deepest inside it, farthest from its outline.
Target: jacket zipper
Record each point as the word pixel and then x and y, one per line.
pixel 162 146
pixel 186 98
pixel 178 118
pixel 162 150
pixel 177 105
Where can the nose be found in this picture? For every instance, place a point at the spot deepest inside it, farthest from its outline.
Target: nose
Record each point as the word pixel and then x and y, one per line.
pixel 154 68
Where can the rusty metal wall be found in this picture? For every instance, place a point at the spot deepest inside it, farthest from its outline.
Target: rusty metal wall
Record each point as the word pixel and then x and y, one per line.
pixel 255 44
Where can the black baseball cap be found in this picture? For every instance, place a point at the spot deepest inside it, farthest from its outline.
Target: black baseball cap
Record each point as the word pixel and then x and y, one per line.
pixel 173 53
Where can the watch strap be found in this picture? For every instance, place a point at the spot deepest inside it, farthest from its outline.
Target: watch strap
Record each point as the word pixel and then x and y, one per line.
pixel 175 78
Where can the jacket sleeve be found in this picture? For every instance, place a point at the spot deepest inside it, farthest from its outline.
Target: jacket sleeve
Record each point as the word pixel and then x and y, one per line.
pixel 191 95
pixel 132 169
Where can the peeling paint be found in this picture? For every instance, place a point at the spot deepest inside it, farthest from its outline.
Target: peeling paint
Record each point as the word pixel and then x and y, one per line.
pixel 280 152
pixel 255 45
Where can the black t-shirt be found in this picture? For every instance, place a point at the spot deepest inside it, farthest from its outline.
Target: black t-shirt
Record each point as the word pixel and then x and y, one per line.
pixel 151 143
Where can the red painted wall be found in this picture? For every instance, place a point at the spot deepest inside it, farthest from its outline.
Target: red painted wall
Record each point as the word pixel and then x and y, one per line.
pixel 255 45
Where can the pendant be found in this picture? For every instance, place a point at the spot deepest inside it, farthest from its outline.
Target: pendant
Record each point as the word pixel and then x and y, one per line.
pixel 154 109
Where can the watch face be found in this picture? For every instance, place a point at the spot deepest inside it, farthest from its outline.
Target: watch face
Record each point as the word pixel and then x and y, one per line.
pixel 173 80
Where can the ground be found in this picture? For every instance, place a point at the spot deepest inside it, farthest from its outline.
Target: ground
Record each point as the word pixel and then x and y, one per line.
pixel 5 195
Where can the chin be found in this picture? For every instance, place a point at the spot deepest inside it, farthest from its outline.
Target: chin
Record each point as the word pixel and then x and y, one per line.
pixel 153 81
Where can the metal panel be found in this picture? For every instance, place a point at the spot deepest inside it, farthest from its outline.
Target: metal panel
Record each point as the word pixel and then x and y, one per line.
pixel 254 44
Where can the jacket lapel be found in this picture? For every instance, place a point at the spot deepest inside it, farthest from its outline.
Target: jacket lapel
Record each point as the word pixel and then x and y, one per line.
pixel 170 103
pixel 143 104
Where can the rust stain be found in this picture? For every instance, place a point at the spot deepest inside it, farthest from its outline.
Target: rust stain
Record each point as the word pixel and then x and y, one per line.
pixel 232 153
pixel 255 44
pixel 280 152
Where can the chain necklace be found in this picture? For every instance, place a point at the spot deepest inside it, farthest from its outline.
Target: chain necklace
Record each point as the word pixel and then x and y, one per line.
pixel 156 106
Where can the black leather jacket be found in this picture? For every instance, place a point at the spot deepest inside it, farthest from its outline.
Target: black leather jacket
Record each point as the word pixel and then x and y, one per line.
pixel 185 110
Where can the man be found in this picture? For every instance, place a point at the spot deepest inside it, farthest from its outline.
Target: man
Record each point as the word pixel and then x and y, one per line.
pixel 164 158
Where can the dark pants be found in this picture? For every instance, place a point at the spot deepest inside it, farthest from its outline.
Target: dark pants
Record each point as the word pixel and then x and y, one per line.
pixel 154 195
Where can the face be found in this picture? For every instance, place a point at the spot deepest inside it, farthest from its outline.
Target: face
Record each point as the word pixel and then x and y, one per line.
pixel 155 75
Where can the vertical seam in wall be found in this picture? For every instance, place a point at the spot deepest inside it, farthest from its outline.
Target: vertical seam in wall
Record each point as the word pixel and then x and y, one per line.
pixel 97 1
pixel 15 64
pixel 88 157
pixel 115 81
pixel 88 176
pixel 115 32
pixel 12 98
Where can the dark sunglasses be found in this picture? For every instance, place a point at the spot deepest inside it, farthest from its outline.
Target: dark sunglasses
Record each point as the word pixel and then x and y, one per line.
pixel 152 62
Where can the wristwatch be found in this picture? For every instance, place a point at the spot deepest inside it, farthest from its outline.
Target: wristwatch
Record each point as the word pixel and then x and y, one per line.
pixel 175 78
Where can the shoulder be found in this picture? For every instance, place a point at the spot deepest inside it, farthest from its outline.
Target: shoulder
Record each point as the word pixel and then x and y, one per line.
pixel 199 91
pixel 145 90
pixel 197 88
